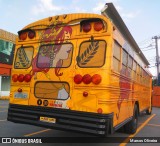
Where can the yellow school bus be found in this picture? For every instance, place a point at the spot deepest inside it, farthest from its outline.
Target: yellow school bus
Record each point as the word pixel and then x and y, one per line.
pixel 79 72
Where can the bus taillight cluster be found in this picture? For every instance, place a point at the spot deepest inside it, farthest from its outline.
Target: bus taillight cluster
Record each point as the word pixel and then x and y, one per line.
pixel 21 78
pixel 86 27
pixel 24 34
pixel 87 79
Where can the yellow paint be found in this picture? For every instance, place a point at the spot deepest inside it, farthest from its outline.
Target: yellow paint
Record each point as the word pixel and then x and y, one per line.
pixel 114 85
pixel 156 125
pixel 138 130
pixel 38 132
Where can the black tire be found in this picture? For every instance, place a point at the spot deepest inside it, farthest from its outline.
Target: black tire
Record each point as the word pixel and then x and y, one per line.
pixel 131 126
pixel 149 112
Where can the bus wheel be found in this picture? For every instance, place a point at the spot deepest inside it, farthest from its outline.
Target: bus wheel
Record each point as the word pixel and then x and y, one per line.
pixel 131 126
pixel 149 112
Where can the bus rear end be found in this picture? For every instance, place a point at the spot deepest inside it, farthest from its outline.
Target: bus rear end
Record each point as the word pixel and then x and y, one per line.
pixel 60 73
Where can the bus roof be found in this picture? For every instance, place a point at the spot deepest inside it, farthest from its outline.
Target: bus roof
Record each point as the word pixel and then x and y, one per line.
pixel 113 14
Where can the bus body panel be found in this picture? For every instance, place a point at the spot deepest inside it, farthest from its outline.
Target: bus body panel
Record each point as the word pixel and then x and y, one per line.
pixel 61 93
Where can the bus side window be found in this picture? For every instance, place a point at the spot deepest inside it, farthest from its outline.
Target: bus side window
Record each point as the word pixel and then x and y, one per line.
pixel 141 78
pixel 134 70
pixel 143 74
pixel 116 57
pixel 124 62
pixel 138 73
pixel 130 65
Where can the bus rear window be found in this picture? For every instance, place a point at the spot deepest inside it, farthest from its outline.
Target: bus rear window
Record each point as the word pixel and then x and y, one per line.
pixel 55 56
pixel 23 57
pixel 92 54
pixel 52 90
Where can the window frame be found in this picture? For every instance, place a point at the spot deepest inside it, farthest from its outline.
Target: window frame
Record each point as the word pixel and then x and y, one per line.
pixel 31 57
pixel 51 82
pixel 115 57
pixel 55 44
pixel 92 66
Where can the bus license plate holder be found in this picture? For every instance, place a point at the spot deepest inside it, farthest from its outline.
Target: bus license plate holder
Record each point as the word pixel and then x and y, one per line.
pixel 20 95
pixel 48 119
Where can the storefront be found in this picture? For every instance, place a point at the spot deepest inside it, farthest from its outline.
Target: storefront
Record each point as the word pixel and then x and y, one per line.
pixel 7 45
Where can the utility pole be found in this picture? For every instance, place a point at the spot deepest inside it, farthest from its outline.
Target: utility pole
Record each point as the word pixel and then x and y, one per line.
pixel 157 55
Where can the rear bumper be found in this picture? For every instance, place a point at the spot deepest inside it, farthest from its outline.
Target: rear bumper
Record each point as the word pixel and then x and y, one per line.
pixel 98 124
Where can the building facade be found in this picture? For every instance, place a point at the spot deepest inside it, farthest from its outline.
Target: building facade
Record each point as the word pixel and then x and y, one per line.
pixel 7 45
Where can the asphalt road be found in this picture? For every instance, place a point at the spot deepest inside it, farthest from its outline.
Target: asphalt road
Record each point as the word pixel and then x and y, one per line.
pixel 148 129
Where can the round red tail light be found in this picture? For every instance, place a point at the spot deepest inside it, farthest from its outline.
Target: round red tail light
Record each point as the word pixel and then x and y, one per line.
pixel 21 78
pixel 27 78
pixel 86 27
pixel 31 34
pixel 98 26
pixel 96 79
pixel 85 94
pixel 15 78
pixel 23 36
pixel 87 79
pixel 78 79
pixel 19 90
pixel 99 110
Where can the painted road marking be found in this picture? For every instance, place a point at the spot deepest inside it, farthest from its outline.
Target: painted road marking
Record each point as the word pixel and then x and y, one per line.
pixel 156 125
pixel 3 120
pixel 139 128
pixel 34 133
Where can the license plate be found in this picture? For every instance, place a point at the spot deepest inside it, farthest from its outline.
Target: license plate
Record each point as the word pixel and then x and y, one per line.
pixel 20 95
pixel 47 119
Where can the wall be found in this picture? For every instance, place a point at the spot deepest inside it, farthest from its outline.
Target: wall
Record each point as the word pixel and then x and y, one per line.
pixel 7 45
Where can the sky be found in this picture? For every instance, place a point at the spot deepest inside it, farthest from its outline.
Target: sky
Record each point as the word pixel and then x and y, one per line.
pixel 140 16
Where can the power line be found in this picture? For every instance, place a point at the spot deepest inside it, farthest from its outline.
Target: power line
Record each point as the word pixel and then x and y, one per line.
pixel 146 40
pixel 147 46
pixel 148 49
